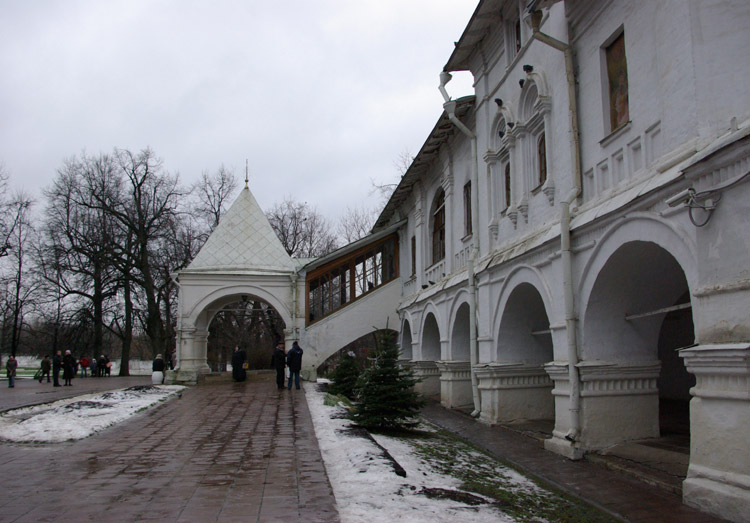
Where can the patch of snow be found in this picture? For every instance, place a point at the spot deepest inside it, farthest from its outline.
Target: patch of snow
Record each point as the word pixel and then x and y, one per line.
pixel 365 485
pixel 80 416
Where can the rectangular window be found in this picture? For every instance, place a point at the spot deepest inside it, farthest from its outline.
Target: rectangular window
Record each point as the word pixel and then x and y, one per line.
pixel 413 255
pixel 467 209
pixel 617 79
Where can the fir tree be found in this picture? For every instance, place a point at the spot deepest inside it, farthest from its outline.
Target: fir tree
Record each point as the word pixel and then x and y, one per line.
pixel 345 376
pixel 387 399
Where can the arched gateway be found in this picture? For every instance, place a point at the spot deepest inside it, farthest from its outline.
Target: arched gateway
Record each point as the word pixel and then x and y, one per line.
pixel 243 259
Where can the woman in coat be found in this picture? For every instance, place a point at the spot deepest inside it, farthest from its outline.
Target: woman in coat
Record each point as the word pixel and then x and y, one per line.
pixel 69 367
pixel 238 364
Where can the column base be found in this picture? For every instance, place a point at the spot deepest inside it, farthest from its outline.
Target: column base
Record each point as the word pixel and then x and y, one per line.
pixel 564 447
pixel 720 493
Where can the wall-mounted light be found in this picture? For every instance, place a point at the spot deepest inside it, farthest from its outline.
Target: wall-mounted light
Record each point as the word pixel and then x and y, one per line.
pixel 511 124
pixel 499 102
pixel 528 68
pixel 424 286
pixel 521 82
pixel 431 282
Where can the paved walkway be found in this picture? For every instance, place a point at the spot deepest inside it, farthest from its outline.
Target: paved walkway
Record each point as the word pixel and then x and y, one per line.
pixel 222 452
pixel 614 492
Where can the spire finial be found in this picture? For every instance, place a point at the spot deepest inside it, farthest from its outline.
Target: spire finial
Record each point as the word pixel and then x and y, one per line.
pixel 247 173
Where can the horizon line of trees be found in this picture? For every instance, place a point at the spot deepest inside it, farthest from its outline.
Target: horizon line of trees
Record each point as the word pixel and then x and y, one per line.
pixel 91 270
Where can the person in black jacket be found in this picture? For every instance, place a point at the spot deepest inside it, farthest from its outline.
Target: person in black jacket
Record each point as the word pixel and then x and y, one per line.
pixel 239 357
pixel 69 368
pixel 294 362
pixel 56 366
pixel 278 361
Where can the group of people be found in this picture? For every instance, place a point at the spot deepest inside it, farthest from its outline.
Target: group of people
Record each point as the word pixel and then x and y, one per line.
pixel 291 360
pixel 69 366
pixel 280 360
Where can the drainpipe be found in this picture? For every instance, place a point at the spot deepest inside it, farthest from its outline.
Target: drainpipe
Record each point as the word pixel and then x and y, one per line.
pixel 565 252
pixel 294 303
pixel 174 276
pixel 450 109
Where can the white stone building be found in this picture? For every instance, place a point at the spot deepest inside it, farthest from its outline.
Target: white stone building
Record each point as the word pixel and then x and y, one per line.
pixel 565 230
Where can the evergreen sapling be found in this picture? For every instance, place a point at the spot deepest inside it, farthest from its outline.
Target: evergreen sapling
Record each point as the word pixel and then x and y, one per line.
pixel 387 399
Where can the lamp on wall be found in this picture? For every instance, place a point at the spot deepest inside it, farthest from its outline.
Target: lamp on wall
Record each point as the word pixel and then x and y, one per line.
pixel 521 82
pixel 499 102
pixel 528 68
pixel 424 286
pixel 511 124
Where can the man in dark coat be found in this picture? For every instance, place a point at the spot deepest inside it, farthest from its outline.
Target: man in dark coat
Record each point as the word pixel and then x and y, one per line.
pixel 239 357
pixel 294 362
pixel 46 366
pixel 56 366
pixel 278 361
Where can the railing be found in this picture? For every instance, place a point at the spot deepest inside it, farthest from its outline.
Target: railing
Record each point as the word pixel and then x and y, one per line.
pixel 435 272
pixel 409 286
pixel 462 257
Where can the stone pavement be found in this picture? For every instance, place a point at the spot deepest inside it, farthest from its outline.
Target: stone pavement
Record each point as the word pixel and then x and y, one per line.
pixel 622 496
pixel 221 452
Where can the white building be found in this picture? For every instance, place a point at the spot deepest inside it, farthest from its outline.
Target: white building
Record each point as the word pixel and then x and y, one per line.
pixel 561 233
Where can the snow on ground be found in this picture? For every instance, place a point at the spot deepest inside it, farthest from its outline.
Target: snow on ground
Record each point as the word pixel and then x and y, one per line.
pixel 365 484
pixel 80 416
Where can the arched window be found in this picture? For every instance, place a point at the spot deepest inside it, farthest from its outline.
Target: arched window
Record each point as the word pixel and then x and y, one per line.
pixel 438 227
pixel 541 149
pixel 506 181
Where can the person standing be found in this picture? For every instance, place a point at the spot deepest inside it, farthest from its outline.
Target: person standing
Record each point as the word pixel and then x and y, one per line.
pixel 278 361
pixel 46 366
pixel 239 358
pixel 92 364
pixel 56 366
pixel 11 366
pixel 84 363
pixel 157 370
pixel 69 368
pixel 294 362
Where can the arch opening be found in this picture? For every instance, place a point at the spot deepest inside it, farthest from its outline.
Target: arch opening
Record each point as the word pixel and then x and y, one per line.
pixel 430 339
pixel 638 315
pixel 247 321
pixel 524 334
pixel 460 335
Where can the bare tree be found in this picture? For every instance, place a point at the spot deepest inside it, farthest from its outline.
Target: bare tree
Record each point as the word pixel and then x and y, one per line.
pixel 213 192
pixel 384 189
pixel 303 231
pixel 355 223
pixel 18 286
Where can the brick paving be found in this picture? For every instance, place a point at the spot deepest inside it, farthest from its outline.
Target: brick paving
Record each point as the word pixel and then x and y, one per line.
pixel 622 496
pixel 221 452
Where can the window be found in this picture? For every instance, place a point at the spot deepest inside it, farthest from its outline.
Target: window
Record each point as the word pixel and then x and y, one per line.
pixel 413 255
pixel 506 180
pixel 467 209
pixel 541 152
pixel 438 227
pixel 342 281
pixel 617 79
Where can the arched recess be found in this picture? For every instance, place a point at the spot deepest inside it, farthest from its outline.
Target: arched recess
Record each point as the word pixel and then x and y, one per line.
pixel 430 346
pixel 637 313
pixel 524 332
pixel 406 341
pixel 459 349
pixel 518 277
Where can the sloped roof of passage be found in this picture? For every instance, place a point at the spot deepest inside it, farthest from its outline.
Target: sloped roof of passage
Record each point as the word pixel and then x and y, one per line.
pixel 243 241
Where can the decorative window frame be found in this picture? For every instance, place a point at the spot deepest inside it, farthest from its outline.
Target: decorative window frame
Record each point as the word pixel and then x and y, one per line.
pixel 535 110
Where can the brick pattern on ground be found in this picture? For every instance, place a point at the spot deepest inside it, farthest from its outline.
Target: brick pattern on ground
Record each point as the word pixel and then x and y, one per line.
pixel 224 452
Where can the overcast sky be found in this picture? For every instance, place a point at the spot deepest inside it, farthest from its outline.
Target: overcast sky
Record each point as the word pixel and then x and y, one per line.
pixel 321 96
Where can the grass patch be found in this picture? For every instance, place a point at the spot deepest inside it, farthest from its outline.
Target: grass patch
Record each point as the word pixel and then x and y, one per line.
pixel 481 473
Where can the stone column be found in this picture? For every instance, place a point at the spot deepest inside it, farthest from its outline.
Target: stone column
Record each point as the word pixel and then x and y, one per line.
pixel 192 357
pixel 430 376
pixel 514 390
pixel 718 478
pixel 455 383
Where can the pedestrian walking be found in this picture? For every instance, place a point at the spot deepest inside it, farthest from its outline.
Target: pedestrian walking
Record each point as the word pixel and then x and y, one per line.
pixel 278 361
pixel 239 360
pixel 294 362
pixel 56 366
pixel 11 366
pixel 46 366
pixel 69 368
pixel 100 364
